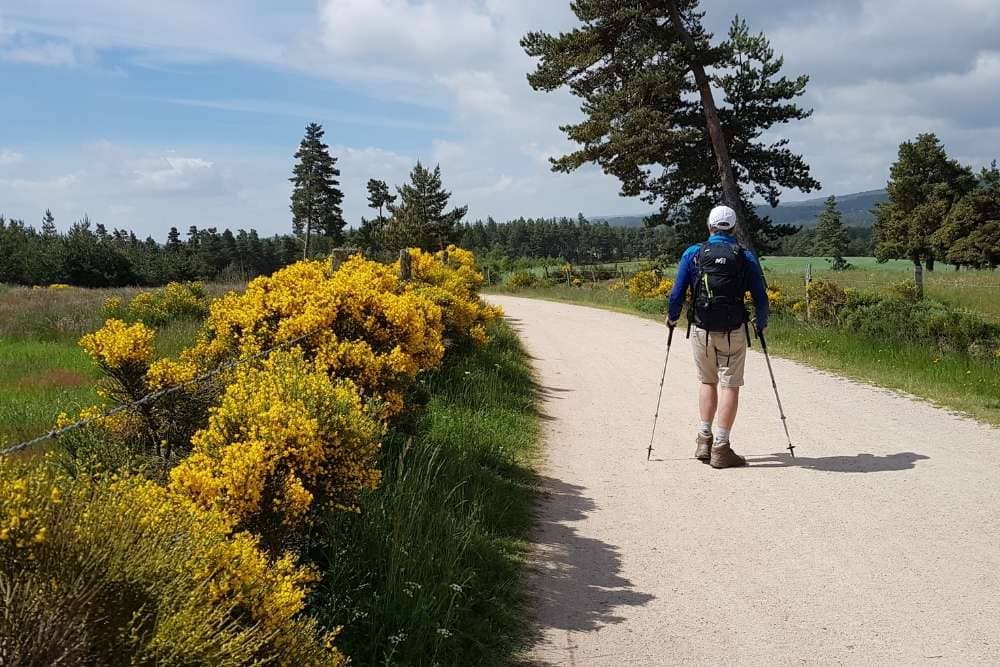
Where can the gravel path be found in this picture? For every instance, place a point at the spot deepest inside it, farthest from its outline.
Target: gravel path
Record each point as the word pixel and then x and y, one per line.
pixel 879 544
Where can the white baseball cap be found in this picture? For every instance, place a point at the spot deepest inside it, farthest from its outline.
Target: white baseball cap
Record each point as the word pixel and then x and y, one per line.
pixel 722 217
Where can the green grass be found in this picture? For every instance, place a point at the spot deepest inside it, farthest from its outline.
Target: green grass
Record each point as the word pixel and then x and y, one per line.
pixel 43 371
pixel 430 571
pixel 970 385
pixel 38 380
pixel 953 380
pixel 973 291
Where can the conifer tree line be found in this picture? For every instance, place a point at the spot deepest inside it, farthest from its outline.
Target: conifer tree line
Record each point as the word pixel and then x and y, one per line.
pixel 89 255
pixel 578 241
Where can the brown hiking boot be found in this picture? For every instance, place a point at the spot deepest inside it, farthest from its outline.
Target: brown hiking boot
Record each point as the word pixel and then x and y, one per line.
pixel 704 451
pixel 723 456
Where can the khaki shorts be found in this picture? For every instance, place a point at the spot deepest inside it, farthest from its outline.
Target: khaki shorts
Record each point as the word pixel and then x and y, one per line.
pixel 720 359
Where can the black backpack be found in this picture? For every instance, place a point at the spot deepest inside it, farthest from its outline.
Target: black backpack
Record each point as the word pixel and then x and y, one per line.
pixel 717 304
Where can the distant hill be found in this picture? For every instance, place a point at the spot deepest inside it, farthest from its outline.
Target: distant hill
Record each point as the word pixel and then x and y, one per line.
pixel 857 210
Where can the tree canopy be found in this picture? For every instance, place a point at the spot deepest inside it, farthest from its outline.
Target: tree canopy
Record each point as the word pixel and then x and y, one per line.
pixel 316 196
pixel 421 219
pixel 831 238
pixel 646 124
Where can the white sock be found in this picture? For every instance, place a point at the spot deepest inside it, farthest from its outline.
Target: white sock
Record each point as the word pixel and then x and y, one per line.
pixel 706 427
pixel 723 436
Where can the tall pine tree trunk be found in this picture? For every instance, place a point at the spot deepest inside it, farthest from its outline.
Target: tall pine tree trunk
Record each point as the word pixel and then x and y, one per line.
pixel 305 252
pixel 730 191
pixel 930 264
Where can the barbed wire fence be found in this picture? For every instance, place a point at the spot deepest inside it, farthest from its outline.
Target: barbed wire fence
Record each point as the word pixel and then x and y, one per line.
pixel 152 397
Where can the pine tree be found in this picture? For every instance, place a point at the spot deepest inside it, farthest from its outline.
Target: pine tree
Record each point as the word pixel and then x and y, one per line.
pixel 970 235
pixel 831 238
pixel 924 184
pixel 421 219
pixel 640 69
pixel 316 197
pixel 49 224
pixel 371 235
pixel 379 196
pixel 173 239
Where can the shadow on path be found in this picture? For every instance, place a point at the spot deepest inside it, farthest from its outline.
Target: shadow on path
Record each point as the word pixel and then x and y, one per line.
pixel 578 584
pixel 860 463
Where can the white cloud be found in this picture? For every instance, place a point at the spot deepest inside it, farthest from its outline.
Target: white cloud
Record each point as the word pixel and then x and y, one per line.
pixel 9 157
pixel 49 54
pixel 171 173
pixel 405 32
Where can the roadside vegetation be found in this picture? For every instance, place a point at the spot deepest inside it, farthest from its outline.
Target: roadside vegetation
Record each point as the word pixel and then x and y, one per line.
pixel 358 492
pixel 947 350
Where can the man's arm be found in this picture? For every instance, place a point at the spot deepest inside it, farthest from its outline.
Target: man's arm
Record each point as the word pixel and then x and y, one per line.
pixel 757 290
pixel 680 288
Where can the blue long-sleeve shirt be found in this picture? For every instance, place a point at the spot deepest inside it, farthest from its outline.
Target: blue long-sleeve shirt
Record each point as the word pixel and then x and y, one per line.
pixel 687 277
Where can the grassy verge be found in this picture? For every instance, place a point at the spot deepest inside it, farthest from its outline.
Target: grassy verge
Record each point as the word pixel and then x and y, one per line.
pixel 956 381
pixel 38 380
pixel 430 570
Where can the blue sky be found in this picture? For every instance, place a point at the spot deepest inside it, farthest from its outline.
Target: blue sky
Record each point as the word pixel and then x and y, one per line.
pixel 147 115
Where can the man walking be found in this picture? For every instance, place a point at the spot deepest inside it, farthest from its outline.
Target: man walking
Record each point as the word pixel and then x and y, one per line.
pixel 719 273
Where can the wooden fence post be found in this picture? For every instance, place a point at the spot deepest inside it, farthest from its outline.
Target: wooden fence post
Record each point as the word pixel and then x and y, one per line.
pixel 809 279
pixel 405 267
pixel 338 256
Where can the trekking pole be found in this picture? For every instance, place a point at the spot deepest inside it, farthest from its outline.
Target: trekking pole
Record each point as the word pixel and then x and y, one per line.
pixel 659 399
pixel 781 410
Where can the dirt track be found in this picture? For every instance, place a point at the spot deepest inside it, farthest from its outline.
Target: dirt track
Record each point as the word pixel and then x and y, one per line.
pixel 879 544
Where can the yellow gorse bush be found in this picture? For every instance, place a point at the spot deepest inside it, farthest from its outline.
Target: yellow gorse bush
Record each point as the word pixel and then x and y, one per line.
pixel 283 440
pixel 269 444
pixel 370 327
pixel 454 286
pixel 119 346
pixel 167 582
pixel 648 285
pixel 176 301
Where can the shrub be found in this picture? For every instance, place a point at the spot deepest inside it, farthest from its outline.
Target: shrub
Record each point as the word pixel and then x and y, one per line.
pixel 123 352
pixel 826 301
pixel 927 322
pixel 362 324
pixel 284 443
pixel 648 284
pixel 522 280
pixel 119 571
pixel 454 288
pixel 176 301
pixel 905 290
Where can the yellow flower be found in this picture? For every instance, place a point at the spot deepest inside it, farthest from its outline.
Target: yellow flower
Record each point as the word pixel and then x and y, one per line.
pixel 117 345
pixel 286 429
pixel 648 285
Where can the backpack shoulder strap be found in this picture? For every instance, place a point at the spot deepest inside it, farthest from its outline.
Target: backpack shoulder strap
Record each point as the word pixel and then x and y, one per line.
pixel 697 255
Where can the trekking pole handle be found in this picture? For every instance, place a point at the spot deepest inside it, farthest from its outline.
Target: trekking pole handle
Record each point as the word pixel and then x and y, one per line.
pixel 670 337
pixel 760 336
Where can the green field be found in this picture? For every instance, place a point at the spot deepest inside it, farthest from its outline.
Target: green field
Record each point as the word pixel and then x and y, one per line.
pixel 42 369
pixel 974 291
